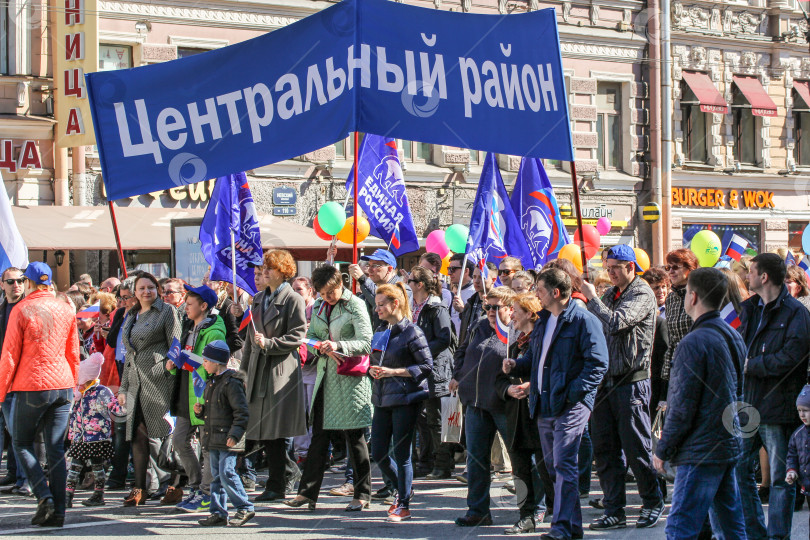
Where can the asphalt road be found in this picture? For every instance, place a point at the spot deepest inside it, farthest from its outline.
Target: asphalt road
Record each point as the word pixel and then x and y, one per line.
pixel 435 506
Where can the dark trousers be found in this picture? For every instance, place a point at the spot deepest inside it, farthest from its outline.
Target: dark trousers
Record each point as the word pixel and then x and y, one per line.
pixel 318 457
pixel 120 458
pixel 621 423
pixel 280 466
pixel 47 410
pixel 560 437
pixel 481 426
pixel 585 460
pixel 533 485
pixel 397 423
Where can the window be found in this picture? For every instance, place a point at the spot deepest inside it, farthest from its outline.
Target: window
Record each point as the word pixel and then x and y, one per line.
pixel 185 52
pixel 750 232
pixel 801 123
pixel 112 57
pixel 476 157
pixel 795 231
pixel 609 125
pixel 695 145
pixel 344 148
pixel 743 129
pixel 414 151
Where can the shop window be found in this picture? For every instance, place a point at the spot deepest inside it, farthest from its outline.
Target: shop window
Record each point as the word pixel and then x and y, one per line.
pixel 609 125
pixel 752 232
pixel 744 130
pixel 112 57
pixel 795 230
pixel 185 52
pixel 695 142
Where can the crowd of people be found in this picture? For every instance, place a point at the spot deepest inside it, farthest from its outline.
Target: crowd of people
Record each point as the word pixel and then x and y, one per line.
pixel 554 371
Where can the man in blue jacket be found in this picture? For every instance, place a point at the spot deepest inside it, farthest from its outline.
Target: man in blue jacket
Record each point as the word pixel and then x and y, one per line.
pixel 776 330
pixel 702 432
pixel 567 358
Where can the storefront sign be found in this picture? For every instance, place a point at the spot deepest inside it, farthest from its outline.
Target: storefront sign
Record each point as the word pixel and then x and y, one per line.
pixel 77 54
pixel 284 196
pixel 718 198
pixel 28 158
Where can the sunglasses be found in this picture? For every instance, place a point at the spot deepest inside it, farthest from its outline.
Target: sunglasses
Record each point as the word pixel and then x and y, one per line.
pixel 506 272
pixel 13 281
pixel 452 269
pixel 488 307
pixel 670 267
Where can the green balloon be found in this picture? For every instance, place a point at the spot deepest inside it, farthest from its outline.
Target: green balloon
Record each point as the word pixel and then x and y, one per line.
pixel 331 218
pixel 456 238
pixel 706 247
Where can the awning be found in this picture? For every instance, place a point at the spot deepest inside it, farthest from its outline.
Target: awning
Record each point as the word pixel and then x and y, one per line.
pixel 803 89
pixel 761 102
pixel 711 100
pixel 89 227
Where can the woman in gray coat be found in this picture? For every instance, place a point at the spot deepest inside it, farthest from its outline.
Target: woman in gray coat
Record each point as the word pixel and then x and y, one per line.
pixel 146 386
pixel 275 386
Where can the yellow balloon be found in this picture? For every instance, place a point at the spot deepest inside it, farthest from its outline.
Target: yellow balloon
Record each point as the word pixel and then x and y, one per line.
pixel 642 259
pixel 346 234
pixel 445 264
pixel 572 253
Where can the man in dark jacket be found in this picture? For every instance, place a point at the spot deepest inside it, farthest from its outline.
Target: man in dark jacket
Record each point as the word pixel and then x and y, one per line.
pixel 472 312
pixel 478 363
pixel 702 432
pixel 621 417
pixel 776 331
pixel 567 358
pixel 381 270
pixel 13 286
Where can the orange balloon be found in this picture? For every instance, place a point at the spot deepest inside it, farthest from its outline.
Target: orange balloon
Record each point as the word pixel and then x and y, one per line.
pixel 572 253
pixel 346 234
pixel 643 259
pixel 445 264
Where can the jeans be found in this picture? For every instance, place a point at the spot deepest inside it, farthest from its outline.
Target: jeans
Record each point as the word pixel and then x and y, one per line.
pixel 774 437
pixel 399 423
pixel 226 484
pixel 48 410
pixel 199 475
pixel 480 428
pixel 621 423
pixel 13 459
pixel 699 489
pixel 560 437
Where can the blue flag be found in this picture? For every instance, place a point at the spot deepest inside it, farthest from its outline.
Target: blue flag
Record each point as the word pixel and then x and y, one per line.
pixel 199 384
pixel 232 209
pixel 381 194
pixel 174 353
pixel 379 341
pixel 494 230
pixel 534 203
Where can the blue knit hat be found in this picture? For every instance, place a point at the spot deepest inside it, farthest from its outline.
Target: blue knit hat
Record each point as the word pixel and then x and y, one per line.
pixel 217 351
pixel 804 397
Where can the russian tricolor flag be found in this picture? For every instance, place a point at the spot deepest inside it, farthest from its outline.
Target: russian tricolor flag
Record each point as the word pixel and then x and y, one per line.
pixel 729 314
pixel 90 312
pixel 501 329
pixel 737 247
pixel 395 237
pixel 246 318
pixel 804 266
pixel 13 251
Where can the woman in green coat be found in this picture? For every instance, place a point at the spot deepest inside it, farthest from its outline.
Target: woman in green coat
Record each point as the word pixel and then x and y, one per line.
pixel 340 322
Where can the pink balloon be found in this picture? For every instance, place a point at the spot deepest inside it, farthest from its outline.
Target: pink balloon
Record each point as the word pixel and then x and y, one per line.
pixel 603 225
pixel 435 243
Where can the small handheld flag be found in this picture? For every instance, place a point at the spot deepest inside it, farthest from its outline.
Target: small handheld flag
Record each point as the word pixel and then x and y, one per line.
pixel 247 318
pixel 379 341
pixel 396 238
pixel 90 312
pixel 804 266
pixel 191 361
pixel 736 248
pixel 501 329
pixel 199 384
pixel 729 314
pixel 174 353
pixel 790 260
pixel 314 343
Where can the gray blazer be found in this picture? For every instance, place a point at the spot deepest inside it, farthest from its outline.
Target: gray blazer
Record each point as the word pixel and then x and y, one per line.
pixel 275 386
pixel 145 381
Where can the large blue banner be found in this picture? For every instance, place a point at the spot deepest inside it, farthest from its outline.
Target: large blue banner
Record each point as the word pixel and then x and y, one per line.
pixel 487 82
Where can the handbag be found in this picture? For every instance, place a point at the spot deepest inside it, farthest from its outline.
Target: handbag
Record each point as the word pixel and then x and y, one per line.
pixel 354 366
pixel 657 430
pixel 451 419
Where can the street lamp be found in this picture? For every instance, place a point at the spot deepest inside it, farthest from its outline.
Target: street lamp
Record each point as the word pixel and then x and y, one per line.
pixel 60 257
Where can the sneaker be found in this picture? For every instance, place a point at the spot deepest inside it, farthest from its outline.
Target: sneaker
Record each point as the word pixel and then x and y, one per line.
pixel 401 513
pixel 241 517
pixel 96 499
pixel 200 503
pixel 438 474
pixel 381 494
pixel 22 490
pixel 650 516
pixel 391 499
pixel 346 490
pixel 461 477
pixel 189 498
pixel 214 520
pixel 605 522
pixel 524 525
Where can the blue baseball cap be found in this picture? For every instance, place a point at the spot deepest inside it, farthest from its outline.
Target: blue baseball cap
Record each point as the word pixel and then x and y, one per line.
pixel 381 255
pixel 622 252
pixel 39 272
pixel 217 351
pixel 205 292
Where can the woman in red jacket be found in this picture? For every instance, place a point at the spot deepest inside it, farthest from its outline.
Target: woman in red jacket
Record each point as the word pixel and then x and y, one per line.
pixel 39 365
